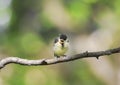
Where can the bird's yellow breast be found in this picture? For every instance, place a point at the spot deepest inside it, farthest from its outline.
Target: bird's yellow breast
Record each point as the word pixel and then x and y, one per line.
pixel 59 50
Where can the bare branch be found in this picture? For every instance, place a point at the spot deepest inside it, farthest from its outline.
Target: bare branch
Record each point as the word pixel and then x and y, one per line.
pixel 86 54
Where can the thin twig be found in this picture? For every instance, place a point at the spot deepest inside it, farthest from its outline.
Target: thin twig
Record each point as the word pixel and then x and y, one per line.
pixel 86 54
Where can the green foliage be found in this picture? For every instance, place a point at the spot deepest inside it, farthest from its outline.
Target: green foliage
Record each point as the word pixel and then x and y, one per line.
pixel 31 43
pixel 79 11
pixel 29 32
pixel 117 6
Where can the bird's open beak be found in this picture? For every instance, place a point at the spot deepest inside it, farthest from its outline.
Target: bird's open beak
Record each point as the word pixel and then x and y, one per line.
pixel 61 41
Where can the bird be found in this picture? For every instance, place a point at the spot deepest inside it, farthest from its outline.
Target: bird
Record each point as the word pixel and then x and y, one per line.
pixel 61 45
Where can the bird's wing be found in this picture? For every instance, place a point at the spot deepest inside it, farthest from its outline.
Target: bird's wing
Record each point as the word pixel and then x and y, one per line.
pixel 56 40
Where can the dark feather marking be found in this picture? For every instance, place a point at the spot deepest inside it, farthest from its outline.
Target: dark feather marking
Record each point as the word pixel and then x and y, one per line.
pixel 63 36
pixel 56 40
pixel 62 45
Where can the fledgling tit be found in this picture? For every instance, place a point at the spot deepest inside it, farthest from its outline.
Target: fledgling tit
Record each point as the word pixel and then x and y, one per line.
pixel 61 45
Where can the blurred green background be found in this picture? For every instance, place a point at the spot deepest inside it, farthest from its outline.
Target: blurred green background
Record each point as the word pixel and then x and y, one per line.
pixel 28 28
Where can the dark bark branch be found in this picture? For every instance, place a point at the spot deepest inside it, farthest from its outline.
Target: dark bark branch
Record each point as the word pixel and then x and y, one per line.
pixel 86 54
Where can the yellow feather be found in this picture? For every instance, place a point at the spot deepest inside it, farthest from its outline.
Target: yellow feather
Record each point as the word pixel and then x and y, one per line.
pixel 59 50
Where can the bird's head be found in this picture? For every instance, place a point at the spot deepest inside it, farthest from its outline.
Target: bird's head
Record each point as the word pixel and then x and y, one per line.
pixel 63 38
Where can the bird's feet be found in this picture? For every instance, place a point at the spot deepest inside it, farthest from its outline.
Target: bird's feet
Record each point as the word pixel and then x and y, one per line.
pixel 64 55
pixel 57 57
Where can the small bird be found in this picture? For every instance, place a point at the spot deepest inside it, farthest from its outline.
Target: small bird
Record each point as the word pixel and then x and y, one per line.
pixel 61 45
